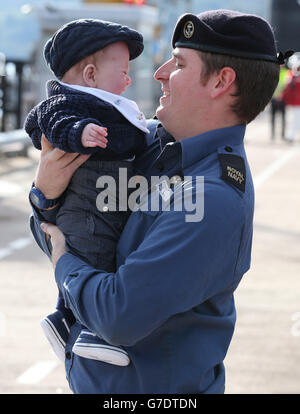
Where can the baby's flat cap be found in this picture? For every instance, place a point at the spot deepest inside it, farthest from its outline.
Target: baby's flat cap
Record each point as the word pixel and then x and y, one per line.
pixel 81 38
pixel 228 32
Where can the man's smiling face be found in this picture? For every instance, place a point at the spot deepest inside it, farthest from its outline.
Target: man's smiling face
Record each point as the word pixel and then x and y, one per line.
pixel 184 97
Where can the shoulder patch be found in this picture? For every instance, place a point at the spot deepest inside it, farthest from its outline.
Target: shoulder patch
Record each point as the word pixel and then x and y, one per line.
pixel 233 170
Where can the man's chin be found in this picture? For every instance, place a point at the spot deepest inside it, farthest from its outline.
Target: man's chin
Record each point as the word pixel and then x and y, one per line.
pixel 159 113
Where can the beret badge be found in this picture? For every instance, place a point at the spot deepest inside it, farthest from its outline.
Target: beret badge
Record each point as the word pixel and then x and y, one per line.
pixel 188 29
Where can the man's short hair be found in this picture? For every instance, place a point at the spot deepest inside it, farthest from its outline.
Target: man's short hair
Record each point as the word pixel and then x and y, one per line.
pixel 256 81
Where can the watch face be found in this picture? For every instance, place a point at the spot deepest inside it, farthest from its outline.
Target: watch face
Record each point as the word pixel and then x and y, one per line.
pixel 37 197
pixel 34 199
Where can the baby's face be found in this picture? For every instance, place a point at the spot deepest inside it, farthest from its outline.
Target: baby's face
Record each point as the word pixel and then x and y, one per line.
pixel 112 68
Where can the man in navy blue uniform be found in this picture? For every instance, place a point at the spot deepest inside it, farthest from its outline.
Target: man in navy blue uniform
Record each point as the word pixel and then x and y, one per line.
pixel 170 303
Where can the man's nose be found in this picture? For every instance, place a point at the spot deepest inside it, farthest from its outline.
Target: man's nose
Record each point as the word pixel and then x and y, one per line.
pixel 163 72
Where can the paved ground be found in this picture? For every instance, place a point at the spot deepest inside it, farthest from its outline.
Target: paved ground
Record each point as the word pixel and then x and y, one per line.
pixel 265 350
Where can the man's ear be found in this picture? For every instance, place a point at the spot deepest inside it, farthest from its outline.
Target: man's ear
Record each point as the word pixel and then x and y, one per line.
pixel 222 81
pixel 89 75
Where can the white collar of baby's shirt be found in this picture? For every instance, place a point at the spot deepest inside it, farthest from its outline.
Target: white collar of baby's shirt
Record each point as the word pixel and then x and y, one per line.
pixel 128 108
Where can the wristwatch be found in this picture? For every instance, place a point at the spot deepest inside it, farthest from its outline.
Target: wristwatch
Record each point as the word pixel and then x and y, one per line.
pixel 39 200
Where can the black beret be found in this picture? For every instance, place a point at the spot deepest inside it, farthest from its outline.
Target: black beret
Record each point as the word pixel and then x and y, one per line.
pixel 228 32
pixel 81 38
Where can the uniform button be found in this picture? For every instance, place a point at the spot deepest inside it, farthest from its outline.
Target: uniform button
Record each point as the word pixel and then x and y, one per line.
pixel 68 355
pixel 228 149
pixel 35 198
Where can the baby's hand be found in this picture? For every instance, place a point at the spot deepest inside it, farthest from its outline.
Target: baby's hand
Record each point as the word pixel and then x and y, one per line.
pixel 93 135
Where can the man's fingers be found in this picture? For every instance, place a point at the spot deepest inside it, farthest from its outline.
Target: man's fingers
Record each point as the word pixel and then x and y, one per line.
pixel 46 146
pixel 65 158
pixel 56 152
pixel 53 231
pixel 77 162
pixel 57 240
pixel 47 228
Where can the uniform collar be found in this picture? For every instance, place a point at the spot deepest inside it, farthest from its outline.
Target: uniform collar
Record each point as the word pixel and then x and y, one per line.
pixel 199 146
pixel 175 156
pixel 163 136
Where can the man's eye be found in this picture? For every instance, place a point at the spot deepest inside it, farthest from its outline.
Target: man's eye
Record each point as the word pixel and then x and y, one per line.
pixel 178 65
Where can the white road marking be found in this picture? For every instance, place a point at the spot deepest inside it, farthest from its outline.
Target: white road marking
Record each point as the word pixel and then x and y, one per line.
pixel 37 372
pixel 15 245
pixel 274 167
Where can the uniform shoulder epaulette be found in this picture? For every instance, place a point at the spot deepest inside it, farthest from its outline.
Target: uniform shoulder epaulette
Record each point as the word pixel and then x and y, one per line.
pixel 233 169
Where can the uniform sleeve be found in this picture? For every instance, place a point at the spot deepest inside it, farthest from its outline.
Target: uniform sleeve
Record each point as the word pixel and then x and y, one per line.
pixel 35 221
pixel 178 266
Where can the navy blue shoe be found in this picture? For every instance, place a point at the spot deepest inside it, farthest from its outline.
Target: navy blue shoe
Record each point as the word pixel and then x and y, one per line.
pixel 56 327
pixel 89 345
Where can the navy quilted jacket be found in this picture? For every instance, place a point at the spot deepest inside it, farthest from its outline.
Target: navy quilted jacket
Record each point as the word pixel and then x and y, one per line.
pixel 66 112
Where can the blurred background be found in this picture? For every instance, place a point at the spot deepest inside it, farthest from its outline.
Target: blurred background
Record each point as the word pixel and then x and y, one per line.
pixel 265 350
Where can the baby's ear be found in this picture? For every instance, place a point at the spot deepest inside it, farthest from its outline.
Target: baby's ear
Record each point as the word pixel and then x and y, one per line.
pixel 88 75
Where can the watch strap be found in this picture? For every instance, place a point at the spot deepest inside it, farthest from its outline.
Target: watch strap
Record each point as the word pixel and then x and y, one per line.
pixel 39 200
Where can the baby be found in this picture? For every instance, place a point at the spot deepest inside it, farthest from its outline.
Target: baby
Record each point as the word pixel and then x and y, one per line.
pixel 84 113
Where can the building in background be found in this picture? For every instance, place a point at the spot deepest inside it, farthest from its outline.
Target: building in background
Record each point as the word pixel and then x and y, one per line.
pixel 24 29
pixel 170 10
pixel 27 73
pixel 285 19
pixel 19 32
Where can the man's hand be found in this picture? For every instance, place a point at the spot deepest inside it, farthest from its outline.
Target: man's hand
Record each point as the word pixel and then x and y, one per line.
pixel 55 169
pixel 57 240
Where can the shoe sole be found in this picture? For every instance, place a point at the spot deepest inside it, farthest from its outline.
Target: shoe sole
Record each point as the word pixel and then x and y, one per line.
pixel 57 343
pixel 103 353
